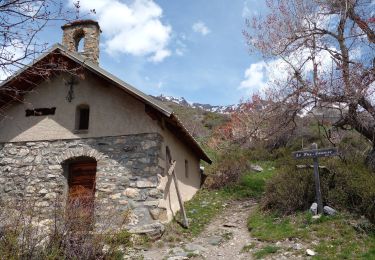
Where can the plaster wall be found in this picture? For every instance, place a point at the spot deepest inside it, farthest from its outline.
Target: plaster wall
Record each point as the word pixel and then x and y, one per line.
pixel 188 184
pixel 112 112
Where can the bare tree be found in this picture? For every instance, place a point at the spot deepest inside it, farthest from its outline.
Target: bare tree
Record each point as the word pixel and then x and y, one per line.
pixel 256 122
pixel 327 49
pixel 21 22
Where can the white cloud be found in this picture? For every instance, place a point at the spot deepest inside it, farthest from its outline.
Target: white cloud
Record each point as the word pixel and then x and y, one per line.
pixel 133 28
pixel 201 28
pixel 255 77
pixel 160 55
pixel 258 76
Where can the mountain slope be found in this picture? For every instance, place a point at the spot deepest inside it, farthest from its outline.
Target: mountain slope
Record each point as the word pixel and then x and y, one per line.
pixel 199 119
pixel 206 107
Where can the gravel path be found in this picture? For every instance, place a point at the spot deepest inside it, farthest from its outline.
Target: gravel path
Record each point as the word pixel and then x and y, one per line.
pixel 224 238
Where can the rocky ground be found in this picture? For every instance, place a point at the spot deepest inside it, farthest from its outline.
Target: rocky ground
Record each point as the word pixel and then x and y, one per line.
pixel 227 237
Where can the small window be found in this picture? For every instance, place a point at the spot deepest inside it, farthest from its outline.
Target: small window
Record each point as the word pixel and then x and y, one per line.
pixel 82 117
pixel 186 169
pixel 40 111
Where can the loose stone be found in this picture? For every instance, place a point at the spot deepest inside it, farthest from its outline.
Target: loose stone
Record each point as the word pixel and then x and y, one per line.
pixel 310 252
pixel 314 208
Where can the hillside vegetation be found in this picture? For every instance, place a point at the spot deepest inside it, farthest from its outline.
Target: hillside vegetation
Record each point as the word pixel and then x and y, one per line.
pixel 198 121
pixel 285 191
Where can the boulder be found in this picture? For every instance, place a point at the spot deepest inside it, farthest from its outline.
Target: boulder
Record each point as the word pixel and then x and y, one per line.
pixel 329 211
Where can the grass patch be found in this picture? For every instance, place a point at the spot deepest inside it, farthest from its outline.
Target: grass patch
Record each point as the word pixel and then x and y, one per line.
pixel 267 250
pixel 270 227
pixel 202 208
pixel 252 184
pixel 337 238
pixel 247 248
pixel 205 205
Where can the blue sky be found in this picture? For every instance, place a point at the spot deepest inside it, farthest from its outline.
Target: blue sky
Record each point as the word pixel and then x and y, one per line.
pixel 189 48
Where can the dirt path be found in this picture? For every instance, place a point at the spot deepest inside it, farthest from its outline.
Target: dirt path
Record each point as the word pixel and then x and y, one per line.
pixel 224 238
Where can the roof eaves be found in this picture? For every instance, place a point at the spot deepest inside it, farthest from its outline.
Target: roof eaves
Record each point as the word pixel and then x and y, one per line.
pixel 130 89
pixel 20 71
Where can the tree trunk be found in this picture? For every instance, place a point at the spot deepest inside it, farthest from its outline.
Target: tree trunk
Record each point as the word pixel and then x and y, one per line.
pixel 370 159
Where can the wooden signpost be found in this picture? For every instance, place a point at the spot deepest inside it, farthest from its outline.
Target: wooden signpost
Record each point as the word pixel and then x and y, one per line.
pixel 315 153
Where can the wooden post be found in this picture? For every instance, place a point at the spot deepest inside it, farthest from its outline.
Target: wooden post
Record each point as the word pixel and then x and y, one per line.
pixel 183 212
pixel 319 201
pixel 315 154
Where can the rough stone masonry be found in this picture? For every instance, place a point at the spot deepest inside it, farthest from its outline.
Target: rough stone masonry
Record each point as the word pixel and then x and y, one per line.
pixel 86 30
pixel 126 177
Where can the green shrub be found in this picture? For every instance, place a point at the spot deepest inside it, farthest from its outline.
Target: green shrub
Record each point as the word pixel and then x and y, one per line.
pixel 212 120
pixel 251 184
pixel 227 168
pixel 349 186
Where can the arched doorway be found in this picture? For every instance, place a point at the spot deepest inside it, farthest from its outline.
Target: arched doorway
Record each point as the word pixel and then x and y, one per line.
pixel 81 190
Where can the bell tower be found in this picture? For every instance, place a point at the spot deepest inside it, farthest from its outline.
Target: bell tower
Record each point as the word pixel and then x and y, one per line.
pixel 85 33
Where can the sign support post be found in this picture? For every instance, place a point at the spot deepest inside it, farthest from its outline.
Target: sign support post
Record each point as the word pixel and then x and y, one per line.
pixel 318 191
pixel 314 153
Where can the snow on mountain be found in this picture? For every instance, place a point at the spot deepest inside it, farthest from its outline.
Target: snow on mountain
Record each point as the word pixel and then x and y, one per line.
pixel 181 101
pixel 206 107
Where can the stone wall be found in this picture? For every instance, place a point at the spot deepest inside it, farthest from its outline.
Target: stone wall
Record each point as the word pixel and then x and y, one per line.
pixel 126 178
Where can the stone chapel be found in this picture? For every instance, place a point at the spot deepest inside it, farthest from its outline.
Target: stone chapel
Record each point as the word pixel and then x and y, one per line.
pixel 69 129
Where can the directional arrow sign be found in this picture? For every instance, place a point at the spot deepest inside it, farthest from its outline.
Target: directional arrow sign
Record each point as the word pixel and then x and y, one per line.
pixel 315 153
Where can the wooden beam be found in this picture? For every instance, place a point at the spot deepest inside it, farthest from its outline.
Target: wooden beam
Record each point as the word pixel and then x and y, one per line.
pixel 183 212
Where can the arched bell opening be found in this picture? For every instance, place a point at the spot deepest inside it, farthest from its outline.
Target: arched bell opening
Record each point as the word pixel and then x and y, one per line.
pixel 79 40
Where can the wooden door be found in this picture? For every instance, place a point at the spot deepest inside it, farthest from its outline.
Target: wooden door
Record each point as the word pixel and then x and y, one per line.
pixel 81 193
